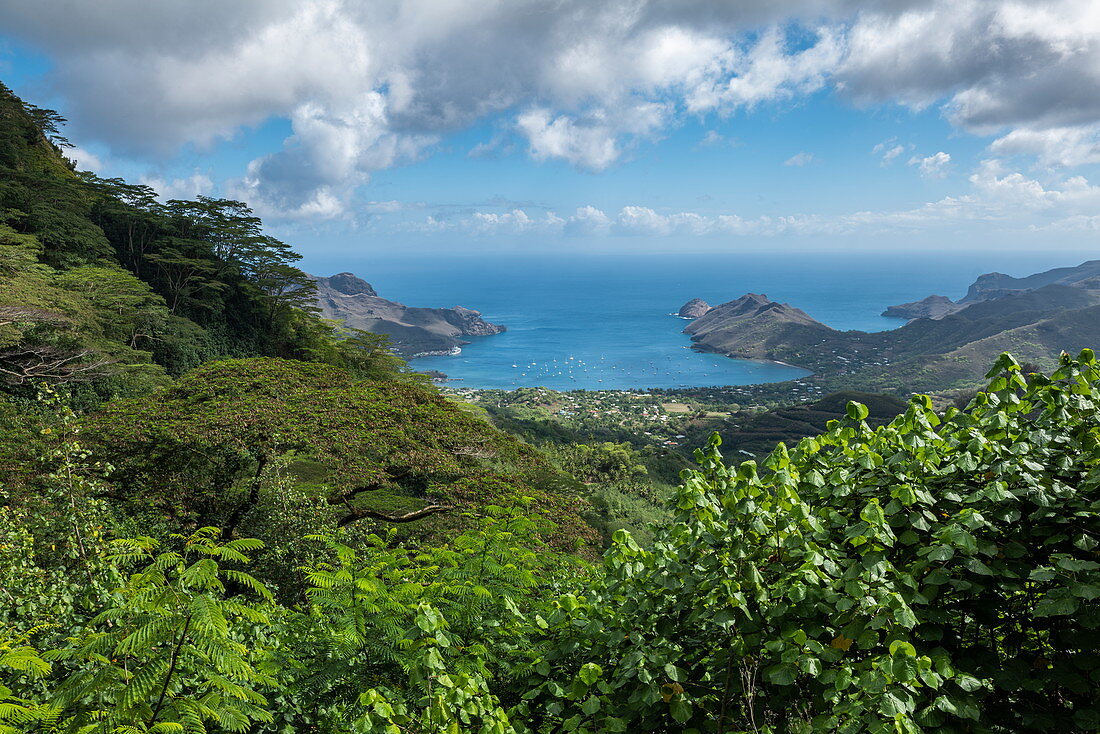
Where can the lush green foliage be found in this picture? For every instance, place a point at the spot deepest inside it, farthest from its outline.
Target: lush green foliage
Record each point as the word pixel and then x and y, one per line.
pixel 210 449
pixel 937 573
pixel 167 652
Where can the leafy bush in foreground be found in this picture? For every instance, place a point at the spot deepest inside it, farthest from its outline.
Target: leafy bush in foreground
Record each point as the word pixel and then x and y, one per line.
pixel 937 574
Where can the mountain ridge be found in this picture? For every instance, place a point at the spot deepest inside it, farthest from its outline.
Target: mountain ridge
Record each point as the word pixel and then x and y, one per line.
pixel 989 286
pixel 925 354
pixel 413 331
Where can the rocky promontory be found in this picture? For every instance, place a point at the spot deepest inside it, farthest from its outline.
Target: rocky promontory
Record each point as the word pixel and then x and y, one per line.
pixel 693 309
pixel 412 331
pixel 752 327
pixel 1037 318
pixel 997 285
pixel 932 307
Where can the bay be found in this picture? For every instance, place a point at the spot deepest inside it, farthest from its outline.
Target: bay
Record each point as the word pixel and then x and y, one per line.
pixel 603 321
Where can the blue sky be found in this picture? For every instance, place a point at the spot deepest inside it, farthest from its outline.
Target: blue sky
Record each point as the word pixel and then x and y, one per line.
pixel 623 125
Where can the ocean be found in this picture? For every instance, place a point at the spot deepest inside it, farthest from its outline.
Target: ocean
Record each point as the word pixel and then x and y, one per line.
pixel 604 322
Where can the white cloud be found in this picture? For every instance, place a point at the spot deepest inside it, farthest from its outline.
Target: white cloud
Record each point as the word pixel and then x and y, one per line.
pixel 384 207
pixel 499 145
pixel 889 150
pixel 180 188
pixel 932 166
pixel 588 220
pixel 594 140
pixel 799 159
pixel 640 219
pixel 332 151
pixel 1059 146
pixel 366 86
pixel 1014 193
pixel 997 199
pixel 1000 65
pixel 591 145
pixel 712 138
pixel 767 71
pixel 85 160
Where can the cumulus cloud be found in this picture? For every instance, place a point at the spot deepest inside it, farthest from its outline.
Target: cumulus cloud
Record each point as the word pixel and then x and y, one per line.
pixel 366 86
pixel 1059 146
pixel 588 220
pixel 516 220
pixel 333 149
pixel 85 160
pixel 932 166
pixel 998 66
pixel 770 69
pixel 591 143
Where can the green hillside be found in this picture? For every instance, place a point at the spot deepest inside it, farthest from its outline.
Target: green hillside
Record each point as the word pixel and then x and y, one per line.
pixel 109 290
pixel 207 449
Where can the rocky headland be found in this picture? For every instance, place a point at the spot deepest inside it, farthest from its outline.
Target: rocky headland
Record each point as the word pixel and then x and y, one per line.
pixel 932 307
pixel 413 331
pixel 945 345
pixel 751 326
pixel 693 309
pixel 990 286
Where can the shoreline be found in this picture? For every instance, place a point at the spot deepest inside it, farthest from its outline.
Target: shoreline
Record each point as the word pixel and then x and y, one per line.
pixel 702 349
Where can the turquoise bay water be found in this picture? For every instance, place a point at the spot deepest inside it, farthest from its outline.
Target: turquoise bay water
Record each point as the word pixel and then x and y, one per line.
pixel 601 322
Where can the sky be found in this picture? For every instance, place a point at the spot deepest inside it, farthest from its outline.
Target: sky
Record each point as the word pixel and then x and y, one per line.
pixel 427 126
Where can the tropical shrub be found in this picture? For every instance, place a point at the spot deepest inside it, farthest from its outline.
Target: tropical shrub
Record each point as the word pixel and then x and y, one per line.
pixel 168 653
pixel 939 573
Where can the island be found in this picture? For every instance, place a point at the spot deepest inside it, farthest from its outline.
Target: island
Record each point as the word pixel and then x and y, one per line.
pixel 413 332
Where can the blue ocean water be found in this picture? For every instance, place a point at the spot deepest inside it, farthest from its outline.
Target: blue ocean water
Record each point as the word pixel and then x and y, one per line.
pixel 602 322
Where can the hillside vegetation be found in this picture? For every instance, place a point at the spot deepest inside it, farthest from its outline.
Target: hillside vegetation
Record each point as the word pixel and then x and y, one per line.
pixel 938 573
pixel 925 354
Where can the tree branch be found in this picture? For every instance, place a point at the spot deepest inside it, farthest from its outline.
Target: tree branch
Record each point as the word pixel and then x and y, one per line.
pixel 360 513
pixel 27 363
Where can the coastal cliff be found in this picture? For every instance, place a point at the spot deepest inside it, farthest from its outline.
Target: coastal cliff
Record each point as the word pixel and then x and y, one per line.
pixel 995 285
pixel 414 332
pixel 990 286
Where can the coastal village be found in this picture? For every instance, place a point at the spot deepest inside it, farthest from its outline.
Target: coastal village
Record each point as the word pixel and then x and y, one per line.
pixel 656 417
